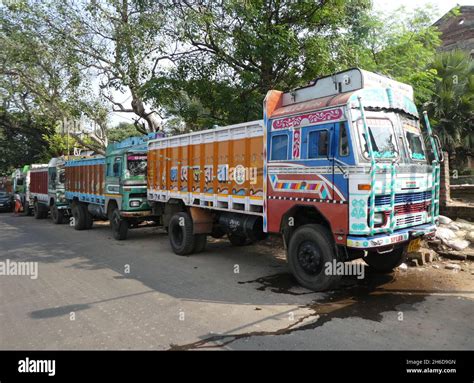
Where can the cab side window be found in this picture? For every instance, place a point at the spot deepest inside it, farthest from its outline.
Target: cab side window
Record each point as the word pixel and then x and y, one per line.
pixel 343 140
pixel 279 147
pixel 318 144
pixel 116 167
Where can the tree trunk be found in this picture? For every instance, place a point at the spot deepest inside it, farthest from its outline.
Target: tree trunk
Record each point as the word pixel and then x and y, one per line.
pixel 150 117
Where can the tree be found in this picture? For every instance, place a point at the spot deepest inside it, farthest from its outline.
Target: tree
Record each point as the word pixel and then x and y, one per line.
pixel 400 45
pixel 22 140
pixel 235 51
pixel 42 79
pixel 451 108
pixel 122 131
pixel 117 41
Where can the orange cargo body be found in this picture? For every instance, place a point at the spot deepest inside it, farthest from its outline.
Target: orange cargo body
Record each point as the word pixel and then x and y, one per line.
pixel 85 180
pixel 39 181
pixel 218 168
pixel 38 185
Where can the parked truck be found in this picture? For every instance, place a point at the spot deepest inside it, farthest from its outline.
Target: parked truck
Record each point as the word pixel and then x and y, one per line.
pixel 22 183
pixel 57 202
pixel 338 168
pixel 38 191
pixel 46 190
pixel 111 187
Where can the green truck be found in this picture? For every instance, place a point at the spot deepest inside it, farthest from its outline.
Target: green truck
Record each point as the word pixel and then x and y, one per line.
pixel 111 188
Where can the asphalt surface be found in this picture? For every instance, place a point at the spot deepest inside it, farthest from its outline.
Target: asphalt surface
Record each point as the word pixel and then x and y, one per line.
pixel 93 292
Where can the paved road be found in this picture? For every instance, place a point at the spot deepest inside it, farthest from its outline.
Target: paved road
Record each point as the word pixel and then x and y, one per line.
pixel 96 293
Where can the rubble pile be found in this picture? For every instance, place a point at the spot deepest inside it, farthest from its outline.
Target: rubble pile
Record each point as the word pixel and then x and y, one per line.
pixel 454 239
pixel 453 243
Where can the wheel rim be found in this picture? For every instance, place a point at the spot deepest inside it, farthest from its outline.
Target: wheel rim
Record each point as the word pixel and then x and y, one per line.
pixel 177 235
pixel 309 258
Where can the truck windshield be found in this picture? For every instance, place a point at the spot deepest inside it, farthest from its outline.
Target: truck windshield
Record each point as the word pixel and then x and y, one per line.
pixel 62 176
pixel 414 140
pixel 381 137
pixel 136 164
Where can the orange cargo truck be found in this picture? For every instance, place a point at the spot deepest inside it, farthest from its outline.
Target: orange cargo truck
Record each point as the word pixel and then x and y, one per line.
pixel 338 168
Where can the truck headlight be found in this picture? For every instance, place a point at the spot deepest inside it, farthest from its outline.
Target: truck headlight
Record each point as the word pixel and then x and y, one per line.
pixel 135 203
pixel 379 219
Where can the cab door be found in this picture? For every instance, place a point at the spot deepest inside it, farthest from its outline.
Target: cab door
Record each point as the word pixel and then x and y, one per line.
pixel 318 153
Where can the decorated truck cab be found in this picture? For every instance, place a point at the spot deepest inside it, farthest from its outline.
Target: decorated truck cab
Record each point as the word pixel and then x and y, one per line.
pixel 57 202
pixel 346 156
pixel 340 168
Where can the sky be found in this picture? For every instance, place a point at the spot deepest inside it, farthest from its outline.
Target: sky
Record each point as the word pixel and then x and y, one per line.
pixel 442 5
pixel 386 6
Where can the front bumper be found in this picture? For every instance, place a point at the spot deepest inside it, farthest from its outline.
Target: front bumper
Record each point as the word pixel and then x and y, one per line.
pixel 132 214
pixel 399 236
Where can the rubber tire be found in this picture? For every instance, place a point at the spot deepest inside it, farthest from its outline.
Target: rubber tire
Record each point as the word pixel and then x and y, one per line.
pixel 119 226
pixel 26 209
pixel 79 217
pixel 89 219
pixel 44 213
pixel 57 215
pixel 238 240
pixel 200 242
pixel 188 240
pixel 385 263
pixel 37 211
pixel 323 242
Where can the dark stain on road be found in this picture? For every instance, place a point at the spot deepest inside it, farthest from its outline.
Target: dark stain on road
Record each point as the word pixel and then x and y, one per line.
pixel 281 283
pixel 366 299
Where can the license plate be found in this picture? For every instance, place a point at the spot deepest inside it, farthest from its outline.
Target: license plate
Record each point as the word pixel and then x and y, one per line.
pixel 414 245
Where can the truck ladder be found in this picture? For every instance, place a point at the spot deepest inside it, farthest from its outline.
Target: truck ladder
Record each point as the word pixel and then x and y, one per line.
pixel 435 172
pixel 373 171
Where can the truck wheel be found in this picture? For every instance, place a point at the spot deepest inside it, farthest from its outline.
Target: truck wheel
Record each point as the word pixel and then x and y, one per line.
pixel 385 262
pixel 200 242
pixel 119 226
pixel 238 240
pixel 57 215
pixel 88 219
pixel 180 231
pixel 44 212
pixel 38 213
pixel 26 209
pixel 310 248
pixel 79 216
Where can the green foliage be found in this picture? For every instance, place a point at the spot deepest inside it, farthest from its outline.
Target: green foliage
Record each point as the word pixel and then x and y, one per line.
pixel 451 108
pixel 238 50
pixel 400 45
pixel 22 140
pixel 122 131
pixel 57 144
pixel 70 59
